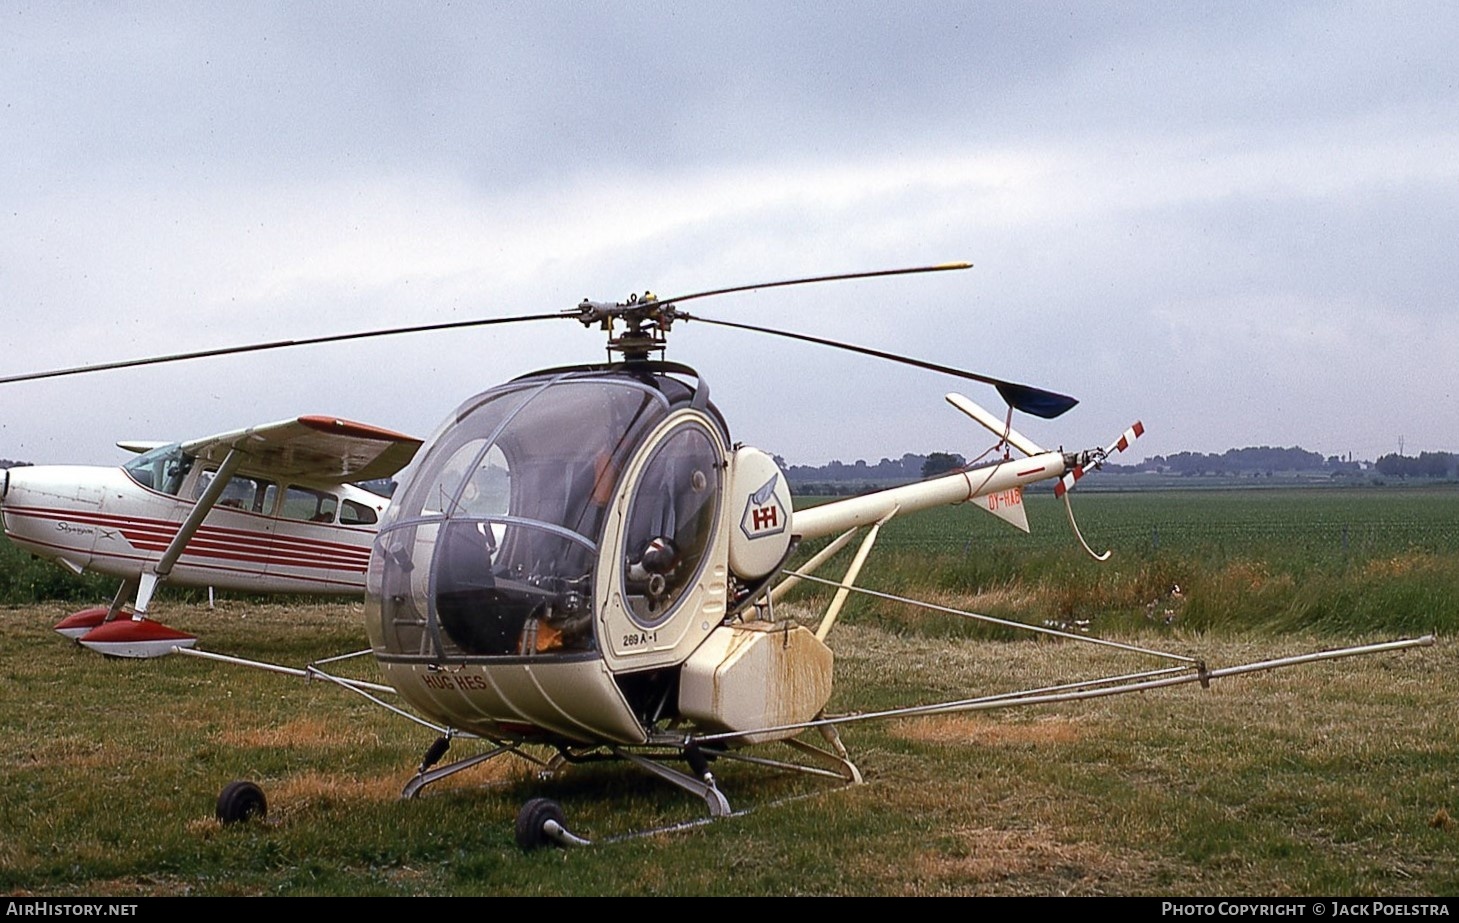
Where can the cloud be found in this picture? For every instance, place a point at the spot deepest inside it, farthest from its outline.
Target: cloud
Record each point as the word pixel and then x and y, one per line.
pixel 1215 218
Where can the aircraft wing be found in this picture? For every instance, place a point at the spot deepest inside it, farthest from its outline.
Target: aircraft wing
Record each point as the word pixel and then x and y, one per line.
pixel 313 448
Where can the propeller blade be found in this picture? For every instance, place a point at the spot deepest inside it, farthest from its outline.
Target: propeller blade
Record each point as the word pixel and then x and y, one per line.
pixel 1036 401
pixel 274 344
pixel 840 277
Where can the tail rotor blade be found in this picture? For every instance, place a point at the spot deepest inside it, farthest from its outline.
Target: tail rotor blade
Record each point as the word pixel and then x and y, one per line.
pixel 1098 457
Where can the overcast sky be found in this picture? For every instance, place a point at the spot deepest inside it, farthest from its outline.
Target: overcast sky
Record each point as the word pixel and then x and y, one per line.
pixel 1235 222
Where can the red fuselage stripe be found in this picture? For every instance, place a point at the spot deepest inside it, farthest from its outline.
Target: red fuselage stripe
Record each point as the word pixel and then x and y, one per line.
pixel 209 542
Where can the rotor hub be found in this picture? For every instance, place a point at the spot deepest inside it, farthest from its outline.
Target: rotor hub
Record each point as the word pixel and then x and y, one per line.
pixel 645 320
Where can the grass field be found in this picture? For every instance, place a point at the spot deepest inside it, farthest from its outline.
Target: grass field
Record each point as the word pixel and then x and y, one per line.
pixel 1339 562
pixel 1323 779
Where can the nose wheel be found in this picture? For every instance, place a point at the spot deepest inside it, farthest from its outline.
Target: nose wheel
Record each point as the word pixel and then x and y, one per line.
pixel 540 823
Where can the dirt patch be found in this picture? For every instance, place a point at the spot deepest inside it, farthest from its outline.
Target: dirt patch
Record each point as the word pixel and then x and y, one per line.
pixel 303 732
pixel 318 788
pixel 991 861
pixel 962 729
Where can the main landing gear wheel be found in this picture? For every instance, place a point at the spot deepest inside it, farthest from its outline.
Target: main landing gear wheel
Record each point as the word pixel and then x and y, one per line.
pixel 540 823
pixel 241 800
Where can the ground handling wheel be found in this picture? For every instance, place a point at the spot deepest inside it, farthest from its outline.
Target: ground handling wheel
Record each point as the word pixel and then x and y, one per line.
pixel 540 823
pixel 241 800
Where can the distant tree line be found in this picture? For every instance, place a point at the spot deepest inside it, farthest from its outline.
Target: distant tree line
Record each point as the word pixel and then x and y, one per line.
pixel 838 477
pixel 1427 465
pixel 909 466
pixel 1253 460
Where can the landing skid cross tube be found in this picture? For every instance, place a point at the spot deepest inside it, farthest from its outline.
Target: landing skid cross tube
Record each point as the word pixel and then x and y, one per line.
pixel 703 787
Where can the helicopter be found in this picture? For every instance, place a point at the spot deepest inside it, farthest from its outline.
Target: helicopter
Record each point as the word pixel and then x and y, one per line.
pixel 582 562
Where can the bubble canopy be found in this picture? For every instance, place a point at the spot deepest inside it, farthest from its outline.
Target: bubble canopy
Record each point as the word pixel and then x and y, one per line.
pixel 491 545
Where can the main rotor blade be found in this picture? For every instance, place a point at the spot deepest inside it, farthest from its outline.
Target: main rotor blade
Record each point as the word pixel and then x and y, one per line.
pixel 274 344
pixel 1037 401
pixel 940 267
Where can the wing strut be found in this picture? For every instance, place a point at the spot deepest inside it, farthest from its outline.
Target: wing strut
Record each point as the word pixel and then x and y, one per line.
pixel 189 528
pixel 124 592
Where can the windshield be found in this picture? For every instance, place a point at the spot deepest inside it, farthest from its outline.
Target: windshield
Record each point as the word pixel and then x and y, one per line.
pixel 162 469
pixel 490 546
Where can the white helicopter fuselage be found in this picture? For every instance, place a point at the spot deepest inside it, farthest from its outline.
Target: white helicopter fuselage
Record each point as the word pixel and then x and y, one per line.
pixel 594 535
pixel 101 520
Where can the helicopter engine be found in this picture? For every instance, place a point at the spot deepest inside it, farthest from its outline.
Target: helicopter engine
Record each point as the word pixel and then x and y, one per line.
pixel 568 557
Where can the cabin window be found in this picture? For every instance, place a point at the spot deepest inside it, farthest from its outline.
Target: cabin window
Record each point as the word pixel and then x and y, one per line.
pixel 670 523
pixel 356 514
pixel 243 492
pixel 308 505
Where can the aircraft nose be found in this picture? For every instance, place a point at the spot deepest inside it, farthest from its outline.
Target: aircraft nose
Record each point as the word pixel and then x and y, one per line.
pixel 4 492
pixel 12 485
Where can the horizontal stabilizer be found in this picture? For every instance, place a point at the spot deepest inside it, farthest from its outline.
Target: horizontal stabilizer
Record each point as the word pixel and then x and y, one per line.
pixel 140 445
pixel 997 427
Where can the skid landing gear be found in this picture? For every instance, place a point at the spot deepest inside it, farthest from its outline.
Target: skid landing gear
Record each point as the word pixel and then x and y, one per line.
pixel 540 822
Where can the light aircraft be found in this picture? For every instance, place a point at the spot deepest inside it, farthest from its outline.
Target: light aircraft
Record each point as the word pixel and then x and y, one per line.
pixel 267 509
pixel 582 564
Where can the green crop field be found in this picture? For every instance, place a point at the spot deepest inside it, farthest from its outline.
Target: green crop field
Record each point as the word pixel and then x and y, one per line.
pixel 1288 559
pixel 1324 526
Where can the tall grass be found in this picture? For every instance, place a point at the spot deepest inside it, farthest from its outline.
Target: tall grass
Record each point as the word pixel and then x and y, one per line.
pixel 26 579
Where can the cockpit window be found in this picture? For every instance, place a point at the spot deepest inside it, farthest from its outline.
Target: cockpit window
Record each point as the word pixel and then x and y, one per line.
pixel 498 527
pixel 161 469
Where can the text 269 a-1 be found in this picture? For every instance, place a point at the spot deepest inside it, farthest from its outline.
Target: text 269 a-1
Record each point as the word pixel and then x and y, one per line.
pixel 640 638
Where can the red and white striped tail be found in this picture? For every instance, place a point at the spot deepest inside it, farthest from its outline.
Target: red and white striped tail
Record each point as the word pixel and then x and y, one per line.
pixel 1067 482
